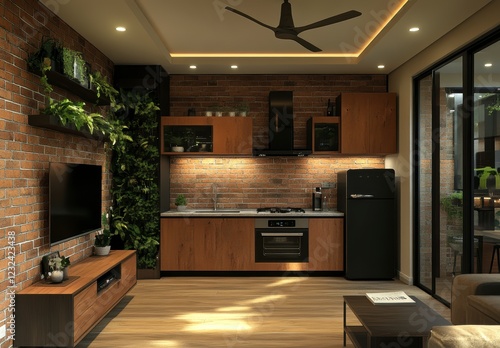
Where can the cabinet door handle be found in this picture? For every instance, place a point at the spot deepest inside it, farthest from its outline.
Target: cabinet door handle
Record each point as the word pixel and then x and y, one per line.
pixel 277 234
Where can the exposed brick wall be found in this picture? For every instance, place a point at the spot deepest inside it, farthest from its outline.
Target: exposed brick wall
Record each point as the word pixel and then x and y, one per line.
pixel 256 182
pixel 25 151
pixel 310 96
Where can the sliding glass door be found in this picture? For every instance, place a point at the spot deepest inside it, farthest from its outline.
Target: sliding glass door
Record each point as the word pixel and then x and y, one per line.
pixel 457 181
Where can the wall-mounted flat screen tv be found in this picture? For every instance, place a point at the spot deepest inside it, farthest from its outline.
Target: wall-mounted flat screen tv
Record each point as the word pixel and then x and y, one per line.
pixel 75 202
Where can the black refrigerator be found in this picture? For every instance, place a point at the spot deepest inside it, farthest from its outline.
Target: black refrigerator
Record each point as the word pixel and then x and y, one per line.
pixel 367 197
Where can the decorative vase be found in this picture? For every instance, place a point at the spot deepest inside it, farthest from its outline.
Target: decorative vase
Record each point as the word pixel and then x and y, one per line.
pixel 102 251
pixel 181 208
pixel 65 273
pixel 57 276
pixel 243 113
pixel 177 149
pixel 208 113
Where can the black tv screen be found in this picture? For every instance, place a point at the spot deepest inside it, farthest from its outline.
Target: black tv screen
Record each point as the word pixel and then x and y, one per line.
pixel 74 200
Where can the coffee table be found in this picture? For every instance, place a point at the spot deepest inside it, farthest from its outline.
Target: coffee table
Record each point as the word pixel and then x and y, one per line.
pixel 406 325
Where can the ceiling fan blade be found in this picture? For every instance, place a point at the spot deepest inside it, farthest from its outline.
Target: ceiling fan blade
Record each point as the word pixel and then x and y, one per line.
pixel 250 18
pixel 306 44
pixel 331 20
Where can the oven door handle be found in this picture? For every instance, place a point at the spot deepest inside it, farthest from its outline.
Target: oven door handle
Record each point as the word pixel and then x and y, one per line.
pixel 270 234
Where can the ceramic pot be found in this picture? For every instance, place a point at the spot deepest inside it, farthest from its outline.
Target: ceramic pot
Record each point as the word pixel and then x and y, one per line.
pixel 181 207
pixel 102 251
pixel 57 276
pixel 177 149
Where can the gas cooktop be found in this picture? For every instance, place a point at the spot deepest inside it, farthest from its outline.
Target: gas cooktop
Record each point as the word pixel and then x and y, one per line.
pixel 280 210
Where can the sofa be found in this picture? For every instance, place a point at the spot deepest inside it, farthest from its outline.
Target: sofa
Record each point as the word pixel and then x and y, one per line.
pixel 475 314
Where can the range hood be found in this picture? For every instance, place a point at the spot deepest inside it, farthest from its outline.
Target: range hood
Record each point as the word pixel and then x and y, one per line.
pixel 281 127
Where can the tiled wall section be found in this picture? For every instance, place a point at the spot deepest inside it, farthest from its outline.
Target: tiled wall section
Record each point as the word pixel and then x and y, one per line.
pixel 249 183
pixel 25 151
pixel 257 182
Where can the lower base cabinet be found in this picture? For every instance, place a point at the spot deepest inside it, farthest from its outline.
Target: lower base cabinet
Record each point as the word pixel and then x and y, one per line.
pixel 60 315
pixel 228 244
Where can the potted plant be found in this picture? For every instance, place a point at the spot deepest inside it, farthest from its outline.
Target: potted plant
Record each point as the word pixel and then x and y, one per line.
pixel 181 202
pixel 57 266
pixel 243 109
pixel 177 143
pixel 102 241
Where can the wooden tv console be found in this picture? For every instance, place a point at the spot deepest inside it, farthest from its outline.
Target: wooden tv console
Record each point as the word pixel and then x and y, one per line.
pixel 60 315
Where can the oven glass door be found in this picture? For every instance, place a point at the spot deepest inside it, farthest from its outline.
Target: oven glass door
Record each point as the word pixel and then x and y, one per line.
pixel 281 246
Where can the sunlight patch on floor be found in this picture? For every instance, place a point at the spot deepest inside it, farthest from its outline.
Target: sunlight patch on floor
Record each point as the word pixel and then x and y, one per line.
pixel 217 321
pixel 163 343
pixel 287 281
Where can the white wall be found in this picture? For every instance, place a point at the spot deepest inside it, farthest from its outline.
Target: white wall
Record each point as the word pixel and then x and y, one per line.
pixel 400 81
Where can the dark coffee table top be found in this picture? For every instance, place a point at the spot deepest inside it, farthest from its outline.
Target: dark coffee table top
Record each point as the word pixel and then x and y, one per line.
pixel 395 320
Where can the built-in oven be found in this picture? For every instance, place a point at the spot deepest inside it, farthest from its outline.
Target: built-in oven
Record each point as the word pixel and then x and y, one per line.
pixel 281 240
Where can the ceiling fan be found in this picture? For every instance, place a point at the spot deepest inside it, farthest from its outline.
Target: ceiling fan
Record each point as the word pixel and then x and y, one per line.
pixel 286 30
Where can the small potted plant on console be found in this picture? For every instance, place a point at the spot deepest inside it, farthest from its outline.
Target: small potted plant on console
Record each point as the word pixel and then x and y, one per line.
pixel 57 265
pixel 102 241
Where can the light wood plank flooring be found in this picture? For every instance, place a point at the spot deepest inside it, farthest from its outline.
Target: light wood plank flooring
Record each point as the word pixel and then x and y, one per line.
pixel 237 312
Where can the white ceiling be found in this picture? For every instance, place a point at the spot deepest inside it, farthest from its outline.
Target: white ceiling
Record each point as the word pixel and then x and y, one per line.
pixel 179 33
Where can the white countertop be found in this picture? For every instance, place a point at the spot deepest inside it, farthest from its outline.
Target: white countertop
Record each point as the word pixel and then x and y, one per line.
pixel 249 213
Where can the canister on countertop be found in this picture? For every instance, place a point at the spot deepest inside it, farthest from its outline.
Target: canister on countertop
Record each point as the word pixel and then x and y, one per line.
pixel 316 199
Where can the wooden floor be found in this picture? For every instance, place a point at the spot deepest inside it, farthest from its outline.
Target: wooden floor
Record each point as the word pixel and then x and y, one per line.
pixel 237 312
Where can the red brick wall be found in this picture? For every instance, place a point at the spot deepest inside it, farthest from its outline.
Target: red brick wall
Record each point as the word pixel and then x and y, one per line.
pixel 25 151
pixel 257 182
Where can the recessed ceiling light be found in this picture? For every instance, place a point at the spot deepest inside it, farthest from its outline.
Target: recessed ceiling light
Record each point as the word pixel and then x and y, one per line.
pixel 414 29
pixel 488 65
pixel 234 67
pixel 192 67
pixel 381 66
pixel 121 29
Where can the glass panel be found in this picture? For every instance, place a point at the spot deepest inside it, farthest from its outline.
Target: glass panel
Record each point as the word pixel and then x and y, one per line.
pixel 450 246
pixel 425 181
pixel 188 139
pixel 487 157
pixel 326 137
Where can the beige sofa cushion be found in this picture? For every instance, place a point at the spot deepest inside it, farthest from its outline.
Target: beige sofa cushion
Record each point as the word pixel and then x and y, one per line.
pixel 484 309
pixel 465 336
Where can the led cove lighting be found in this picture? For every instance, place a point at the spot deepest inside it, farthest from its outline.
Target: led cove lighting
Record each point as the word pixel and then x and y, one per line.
pixel 120 29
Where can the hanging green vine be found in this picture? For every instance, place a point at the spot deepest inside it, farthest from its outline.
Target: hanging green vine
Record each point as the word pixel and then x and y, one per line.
pixel 135 169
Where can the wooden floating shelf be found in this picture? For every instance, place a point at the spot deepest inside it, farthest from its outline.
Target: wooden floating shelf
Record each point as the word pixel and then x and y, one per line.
pixel 63 81
pixel 54 123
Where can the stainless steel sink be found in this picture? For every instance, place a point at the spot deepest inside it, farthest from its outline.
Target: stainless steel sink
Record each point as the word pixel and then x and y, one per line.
pixel 218 211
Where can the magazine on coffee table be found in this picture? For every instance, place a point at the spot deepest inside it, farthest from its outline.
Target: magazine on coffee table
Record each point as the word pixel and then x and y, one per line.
pixel 388 298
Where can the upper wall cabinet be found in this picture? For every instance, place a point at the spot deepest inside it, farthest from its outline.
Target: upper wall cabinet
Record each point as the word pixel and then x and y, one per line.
pixel 368 123
pixel 198 136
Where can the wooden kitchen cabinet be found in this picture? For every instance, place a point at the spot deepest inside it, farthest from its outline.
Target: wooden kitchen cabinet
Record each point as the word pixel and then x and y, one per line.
pixel 228 244
pixel 326 244
pixel 208 135
pixel 368 123
pixel 206 244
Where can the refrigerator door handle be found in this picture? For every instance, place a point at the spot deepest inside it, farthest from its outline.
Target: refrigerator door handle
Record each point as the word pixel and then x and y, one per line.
pixel 361 196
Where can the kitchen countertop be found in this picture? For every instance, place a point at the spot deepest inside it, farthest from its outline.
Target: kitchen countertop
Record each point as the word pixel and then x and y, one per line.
pixel 249 213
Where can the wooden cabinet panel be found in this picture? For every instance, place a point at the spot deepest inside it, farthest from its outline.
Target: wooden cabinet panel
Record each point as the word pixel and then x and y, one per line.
pixel 230 135
pixel 228 244
pixel 206 244
pixel 368 123
pixel 326 244
pixel 80 306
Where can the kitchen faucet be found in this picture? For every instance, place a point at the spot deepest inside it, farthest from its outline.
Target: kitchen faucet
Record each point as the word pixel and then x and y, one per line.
pixel 214 198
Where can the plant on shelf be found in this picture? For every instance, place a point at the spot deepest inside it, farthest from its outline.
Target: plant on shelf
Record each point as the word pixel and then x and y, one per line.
pixel 50 52
pixel 74 66
pixel 181 202
pixel 102 241
pixel 243 109
pixel 57 265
